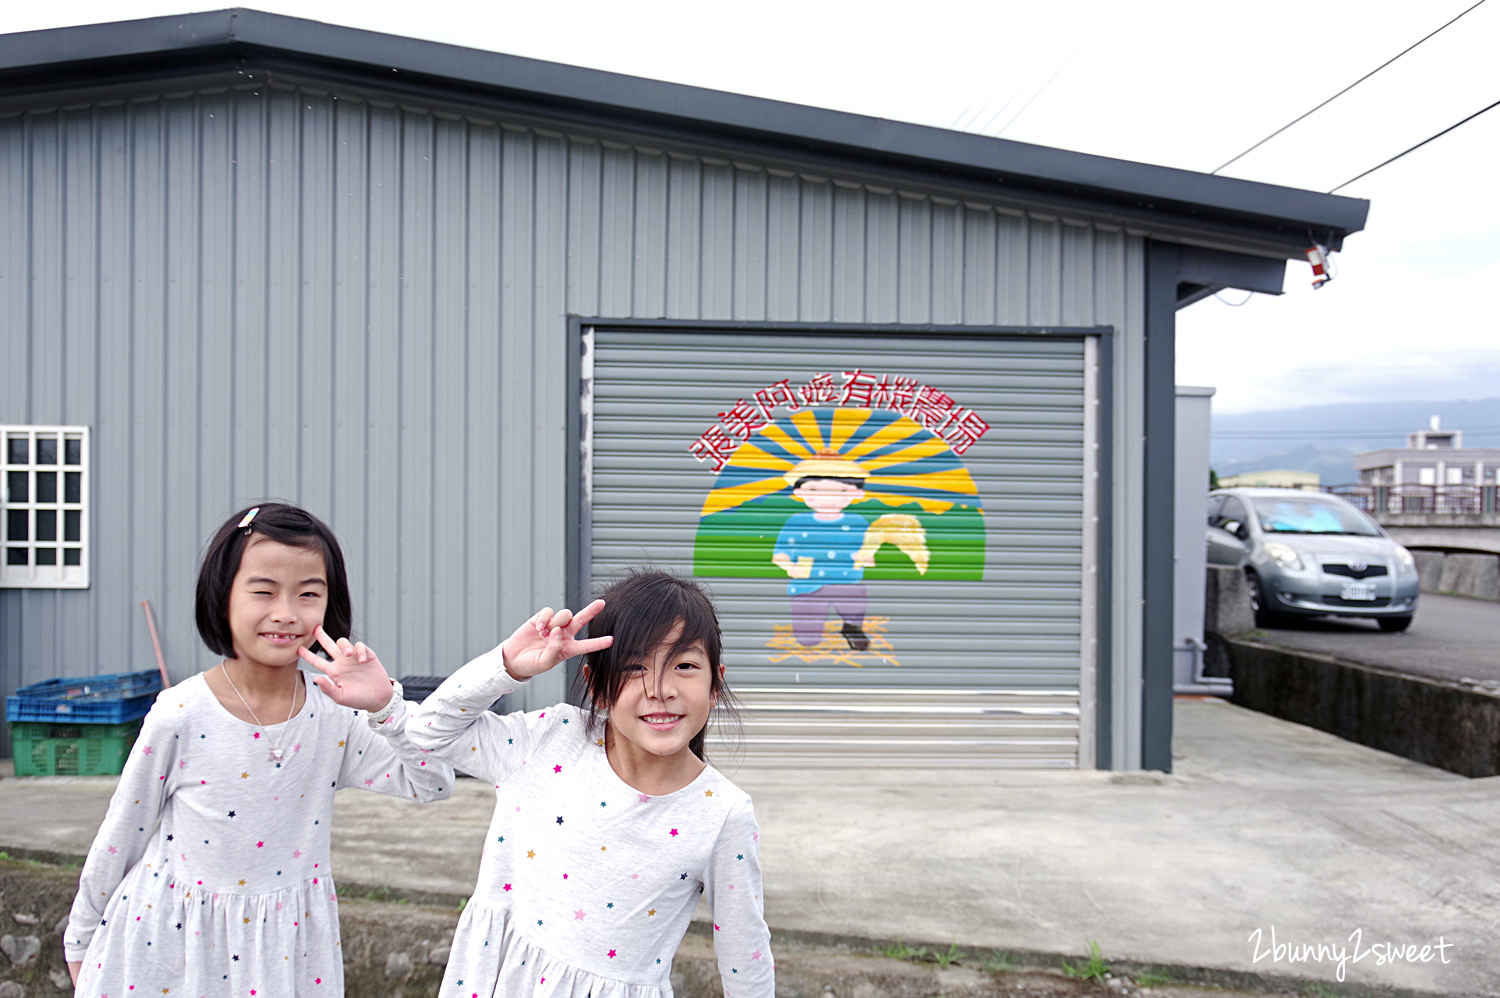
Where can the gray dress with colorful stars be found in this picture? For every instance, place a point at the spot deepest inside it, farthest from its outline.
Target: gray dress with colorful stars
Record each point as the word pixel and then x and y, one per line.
pixel 586 885
pixel 231 892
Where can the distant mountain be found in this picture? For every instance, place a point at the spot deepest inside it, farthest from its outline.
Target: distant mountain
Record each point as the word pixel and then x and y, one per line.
pixel 1333 465
pixel 1325 438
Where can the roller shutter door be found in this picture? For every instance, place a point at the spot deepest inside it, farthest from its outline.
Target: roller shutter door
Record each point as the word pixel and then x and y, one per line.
pixel 893 525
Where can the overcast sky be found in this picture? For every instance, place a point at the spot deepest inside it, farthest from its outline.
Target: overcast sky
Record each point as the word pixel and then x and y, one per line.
pixel 1179 83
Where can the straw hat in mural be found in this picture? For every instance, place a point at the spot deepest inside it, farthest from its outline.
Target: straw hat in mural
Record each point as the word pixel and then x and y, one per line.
pixel 825 464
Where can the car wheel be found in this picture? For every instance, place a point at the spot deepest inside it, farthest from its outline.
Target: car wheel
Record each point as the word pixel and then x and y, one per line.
pixel 1264 617
pixel 1393 623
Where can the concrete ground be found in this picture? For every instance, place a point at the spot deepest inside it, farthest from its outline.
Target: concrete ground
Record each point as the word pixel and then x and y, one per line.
pixel 1264 825
pixel 1451 638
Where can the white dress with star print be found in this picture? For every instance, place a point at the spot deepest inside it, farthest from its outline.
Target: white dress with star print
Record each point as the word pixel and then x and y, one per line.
pixel 209 876
pixel 586 886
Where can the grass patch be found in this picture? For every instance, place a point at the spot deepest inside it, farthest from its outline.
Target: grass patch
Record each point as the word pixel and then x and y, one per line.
pixel 1093 970
pixel 945 960
pixel 1154 978
pixel 900 951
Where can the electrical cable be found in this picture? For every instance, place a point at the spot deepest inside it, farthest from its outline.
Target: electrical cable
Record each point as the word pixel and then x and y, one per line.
pixel 1039 93
pixel 1334 434
pixel 969 107
pixel 1341 93
pixel 984 129
pixel 1416 147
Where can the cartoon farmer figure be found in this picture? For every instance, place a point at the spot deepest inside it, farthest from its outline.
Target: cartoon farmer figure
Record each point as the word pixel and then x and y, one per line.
pixel 826 551
pixel 821 549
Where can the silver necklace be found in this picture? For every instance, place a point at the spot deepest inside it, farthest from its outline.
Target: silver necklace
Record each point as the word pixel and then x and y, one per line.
pixel 276 750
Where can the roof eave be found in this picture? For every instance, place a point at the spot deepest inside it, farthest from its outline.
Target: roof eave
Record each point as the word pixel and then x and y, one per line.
pixel 1275 216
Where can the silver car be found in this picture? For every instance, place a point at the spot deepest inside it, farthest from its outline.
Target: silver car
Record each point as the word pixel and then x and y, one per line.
pixel 1311 554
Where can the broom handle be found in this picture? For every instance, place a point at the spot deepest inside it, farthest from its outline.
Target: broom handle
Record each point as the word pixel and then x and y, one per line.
pixel 156 643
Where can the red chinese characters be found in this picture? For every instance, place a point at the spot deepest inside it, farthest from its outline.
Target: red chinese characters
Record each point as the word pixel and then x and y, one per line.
pixel 742 419
pixel 714 445
pixel 933 409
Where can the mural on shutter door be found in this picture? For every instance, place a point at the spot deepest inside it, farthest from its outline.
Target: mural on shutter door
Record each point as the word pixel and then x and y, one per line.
pixel 828 488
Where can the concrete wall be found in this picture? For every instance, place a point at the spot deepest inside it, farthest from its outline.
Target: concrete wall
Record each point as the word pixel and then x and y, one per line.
pixel 1226 612
pixel 1444 531
pixel 1473 575
pixel 1441 724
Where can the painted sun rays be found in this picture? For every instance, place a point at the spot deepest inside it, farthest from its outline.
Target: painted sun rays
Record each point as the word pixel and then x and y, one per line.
pixel 906 463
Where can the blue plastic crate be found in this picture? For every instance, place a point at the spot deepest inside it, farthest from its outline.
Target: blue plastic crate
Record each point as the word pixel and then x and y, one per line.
pixel 109 699
pixel 79 711
pixel 113 686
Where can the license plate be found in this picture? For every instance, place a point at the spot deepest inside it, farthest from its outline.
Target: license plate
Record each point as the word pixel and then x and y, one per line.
pixel 1357 590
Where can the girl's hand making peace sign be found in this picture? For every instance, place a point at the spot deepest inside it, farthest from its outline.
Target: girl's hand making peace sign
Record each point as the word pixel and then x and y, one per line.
pixel 354 678
pixel 549 638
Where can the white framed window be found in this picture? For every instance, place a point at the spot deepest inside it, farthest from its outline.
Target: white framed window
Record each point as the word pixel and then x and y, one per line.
pixel 46 514
pixel 1426 476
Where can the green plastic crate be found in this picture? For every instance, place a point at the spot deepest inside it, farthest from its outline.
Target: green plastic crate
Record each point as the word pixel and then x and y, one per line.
pixel 44 748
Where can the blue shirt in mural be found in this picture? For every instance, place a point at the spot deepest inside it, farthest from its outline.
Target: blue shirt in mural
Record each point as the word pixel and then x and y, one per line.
pixel 831 544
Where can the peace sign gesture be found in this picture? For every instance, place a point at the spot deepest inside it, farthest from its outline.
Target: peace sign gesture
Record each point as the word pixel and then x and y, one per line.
pixel 549 638
pixel 354 677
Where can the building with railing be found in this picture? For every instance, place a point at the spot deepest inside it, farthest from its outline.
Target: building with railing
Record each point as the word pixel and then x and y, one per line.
pixel 1380 500
pixel 1435 458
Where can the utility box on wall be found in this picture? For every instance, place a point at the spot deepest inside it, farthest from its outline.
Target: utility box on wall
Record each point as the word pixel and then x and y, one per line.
pixel 1194 434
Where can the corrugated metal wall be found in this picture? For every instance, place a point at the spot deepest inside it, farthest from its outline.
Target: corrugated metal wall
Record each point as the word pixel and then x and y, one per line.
pixel 256 291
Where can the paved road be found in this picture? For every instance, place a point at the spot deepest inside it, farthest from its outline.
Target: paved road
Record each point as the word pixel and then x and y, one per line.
pixel 1450 638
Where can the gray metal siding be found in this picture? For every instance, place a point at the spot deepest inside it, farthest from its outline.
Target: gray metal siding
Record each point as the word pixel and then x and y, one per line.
pixel 258 291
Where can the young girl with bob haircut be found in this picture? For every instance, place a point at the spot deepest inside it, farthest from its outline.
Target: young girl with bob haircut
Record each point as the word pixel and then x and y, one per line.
pixel 608 823
pixel 210 874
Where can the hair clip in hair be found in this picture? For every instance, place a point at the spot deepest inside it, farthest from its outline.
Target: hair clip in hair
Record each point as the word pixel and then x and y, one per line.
pixel 250 516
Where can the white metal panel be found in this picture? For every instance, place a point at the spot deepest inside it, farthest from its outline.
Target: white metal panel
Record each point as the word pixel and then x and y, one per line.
pixel 875 728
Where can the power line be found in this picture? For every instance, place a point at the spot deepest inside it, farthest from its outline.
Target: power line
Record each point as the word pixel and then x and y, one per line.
pixel 1341 93
pixel 1313 436
pixel 984 129
pixel 1418 145
pixel 1039 93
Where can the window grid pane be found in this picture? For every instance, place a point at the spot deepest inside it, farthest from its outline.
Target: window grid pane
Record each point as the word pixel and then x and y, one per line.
pixel 45 521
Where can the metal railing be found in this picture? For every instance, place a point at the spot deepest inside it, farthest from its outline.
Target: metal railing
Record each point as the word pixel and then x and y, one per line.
pixel 1439 499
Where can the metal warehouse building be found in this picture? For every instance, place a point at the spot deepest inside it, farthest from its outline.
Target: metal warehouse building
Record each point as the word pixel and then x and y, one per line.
pixel 903 397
